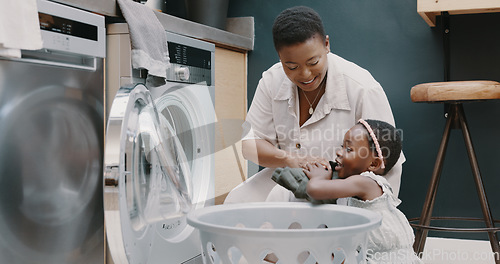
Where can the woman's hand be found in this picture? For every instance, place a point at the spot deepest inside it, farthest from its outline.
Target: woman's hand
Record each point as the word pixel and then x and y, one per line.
pixel 294 161
pixel 265 154
pixel 318 171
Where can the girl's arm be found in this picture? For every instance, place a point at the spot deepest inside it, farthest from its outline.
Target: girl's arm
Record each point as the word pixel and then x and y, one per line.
pixel 322 187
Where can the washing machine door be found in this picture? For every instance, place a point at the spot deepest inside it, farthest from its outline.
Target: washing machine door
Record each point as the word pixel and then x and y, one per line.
pixel 190 110
pixel 50 167
pixel 147 175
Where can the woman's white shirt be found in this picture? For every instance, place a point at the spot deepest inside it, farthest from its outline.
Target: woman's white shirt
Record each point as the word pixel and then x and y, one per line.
pixel 351 93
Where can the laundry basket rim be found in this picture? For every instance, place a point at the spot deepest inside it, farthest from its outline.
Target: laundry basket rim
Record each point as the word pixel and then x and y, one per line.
pixel 373 219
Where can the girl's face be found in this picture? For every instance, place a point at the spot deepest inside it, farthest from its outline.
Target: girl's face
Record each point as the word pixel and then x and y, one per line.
pixel 355 156
pixel 306 63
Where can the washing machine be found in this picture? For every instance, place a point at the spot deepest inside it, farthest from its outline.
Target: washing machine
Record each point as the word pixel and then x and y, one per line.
pixel 159 161
pixel 51 133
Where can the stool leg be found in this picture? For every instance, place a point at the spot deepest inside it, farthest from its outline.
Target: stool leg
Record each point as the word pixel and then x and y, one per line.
pixel 425 217
pixel 488 218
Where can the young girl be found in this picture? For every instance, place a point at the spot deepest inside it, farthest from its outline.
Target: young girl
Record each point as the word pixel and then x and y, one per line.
pixel 369 149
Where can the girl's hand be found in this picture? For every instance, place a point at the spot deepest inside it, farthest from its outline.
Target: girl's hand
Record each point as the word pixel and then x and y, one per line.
pixel 318 170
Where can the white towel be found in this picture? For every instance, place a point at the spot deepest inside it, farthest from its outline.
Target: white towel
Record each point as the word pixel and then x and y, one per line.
pixel 148 38
pixel 19 27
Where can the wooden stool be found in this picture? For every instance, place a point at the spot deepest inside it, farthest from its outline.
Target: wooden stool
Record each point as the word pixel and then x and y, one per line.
pixel 453 94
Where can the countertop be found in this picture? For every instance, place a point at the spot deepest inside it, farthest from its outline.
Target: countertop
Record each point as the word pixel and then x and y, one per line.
pixel 239 33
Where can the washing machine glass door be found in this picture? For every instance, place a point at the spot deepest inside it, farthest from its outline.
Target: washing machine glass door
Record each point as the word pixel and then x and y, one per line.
pixel 147 176
pixel 50 167
pixel 191 112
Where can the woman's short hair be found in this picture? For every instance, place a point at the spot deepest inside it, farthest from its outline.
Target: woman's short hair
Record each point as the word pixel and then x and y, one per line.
pixel 296 25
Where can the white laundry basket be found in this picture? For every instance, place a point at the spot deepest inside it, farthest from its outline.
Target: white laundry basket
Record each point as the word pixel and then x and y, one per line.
pixel 293 232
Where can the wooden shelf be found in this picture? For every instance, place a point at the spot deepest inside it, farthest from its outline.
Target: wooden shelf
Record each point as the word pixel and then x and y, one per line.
pixel 429 9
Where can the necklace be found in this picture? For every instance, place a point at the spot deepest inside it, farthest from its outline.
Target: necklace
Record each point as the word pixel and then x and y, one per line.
pixel 311 110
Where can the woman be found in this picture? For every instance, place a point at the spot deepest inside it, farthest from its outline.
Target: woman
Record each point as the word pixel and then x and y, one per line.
pixel 304 105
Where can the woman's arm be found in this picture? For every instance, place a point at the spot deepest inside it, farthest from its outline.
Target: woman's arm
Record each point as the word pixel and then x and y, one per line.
pixel 262 152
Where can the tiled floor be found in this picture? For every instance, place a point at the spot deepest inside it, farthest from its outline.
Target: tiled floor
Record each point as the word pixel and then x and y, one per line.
pixel 457 251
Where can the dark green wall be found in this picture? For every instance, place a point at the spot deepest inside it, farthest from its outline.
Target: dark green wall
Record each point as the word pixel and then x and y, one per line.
pixel 389 38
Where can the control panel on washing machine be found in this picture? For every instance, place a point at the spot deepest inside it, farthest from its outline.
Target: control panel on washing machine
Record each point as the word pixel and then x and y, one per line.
pixel 71 30
pixel 191 61
pixel 67 26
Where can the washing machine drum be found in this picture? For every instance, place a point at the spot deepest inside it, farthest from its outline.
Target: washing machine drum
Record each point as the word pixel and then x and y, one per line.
pixel 147 177
pixel 50 166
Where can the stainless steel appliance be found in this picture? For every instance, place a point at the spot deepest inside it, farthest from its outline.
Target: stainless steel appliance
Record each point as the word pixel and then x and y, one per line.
pixel 159 161
pixel 51 133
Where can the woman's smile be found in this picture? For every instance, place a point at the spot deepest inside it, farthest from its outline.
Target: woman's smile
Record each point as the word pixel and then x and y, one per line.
pixel 309 85
pixel 306 63
pixel 308 82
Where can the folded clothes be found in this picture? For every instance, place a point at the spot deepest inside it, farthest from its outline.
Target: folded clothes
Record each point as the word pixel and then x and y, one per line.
pixel 295 180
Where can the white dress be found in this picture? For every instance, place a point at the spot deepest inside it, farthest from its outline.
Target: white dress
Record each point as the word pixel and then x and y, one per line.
pixel 392 242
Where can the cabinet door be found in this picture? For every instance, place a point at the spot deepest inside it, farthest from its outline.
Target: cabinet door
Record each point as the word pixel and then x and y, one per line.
pixel 231 109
